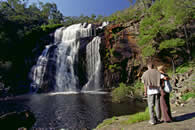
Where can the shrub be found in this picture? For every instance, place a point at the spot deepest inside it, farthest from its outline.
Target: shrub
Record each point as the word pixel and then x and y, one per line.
pixel 50 27
pixel 121 93
pixel 114 67
pixel 138 88
pixel 186 96
pixel 185 67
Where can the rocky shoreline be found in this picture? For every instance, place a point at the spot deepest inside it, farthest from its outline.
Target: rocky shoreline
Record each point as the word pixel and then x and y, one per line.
pixel 182 111
pixel 184 117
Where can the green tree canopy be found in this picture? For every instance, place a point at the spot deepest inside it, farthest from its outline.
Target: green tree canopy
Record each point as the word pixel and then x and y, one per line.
pixel 162 19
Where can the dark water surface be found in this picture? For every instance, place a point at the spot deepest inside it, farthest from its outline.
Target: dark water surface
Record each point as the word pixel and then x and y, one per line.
pixel 69 111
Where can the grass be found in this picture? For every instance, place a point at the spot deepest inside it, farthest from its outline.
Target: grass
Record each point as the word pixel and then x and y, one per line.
pixel 107 122
pixel 139 117
pixel 135 118
pixel 186 96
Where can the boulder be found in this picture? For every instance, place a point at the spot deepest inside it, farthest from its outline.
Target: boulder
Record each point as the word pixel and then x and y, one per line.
pixel 16 120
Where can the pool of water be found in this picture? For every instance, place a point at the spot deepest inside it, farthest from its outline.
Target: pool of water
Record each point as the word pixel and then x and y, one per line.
pixel 70 110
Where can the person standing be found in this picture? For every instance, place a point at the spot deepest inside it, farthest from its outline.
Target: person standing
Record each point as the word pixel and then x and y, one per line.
pixel 164 98
pixel 151 80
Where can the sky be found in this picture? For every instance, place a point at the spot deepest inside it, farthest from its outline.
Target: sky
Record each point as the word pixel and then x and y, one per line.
pixel 87 7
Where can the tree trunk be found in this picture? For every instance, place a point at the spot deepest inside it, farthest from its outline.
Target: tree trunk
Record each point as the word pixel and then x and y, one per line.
pixel 188 46
pixel 173 65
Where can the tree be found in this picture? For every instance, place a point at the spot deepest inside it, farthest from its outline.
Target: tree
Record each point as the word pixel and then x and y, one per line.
pixel 157 29
pixel 50 11
pixel 145 3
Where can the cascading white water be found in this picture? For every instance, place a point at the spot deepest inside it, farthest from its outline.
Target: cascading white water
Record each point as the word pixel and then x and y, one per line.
pixel 103 25
pixel 56 67
pixel 93 64
pixel 39 70
pixel 58 35
pixel 67 52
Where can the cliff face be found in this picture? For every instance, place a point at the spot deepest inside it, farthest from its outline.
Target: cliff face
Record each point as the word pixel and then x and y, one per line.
pixel 120 54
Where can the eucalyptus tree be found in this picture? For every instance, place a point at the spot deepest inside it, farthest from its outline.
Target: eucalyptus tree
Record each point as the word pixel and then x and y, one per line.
pixel 159 28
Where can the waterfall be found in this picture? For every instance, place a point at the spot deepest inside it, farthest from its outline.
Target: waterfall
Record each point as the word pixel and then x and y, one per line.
pixel 93 64
pixel 38 71
pixel 57 66
pixel 67 52
pixel 58 35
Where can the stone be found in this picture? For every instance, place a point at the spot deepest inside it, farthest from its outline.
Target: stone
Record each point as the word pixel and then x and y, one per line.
pixel 16 120
pixel 177 103
pixel 189 99
pixel 173 101
pixel 178 94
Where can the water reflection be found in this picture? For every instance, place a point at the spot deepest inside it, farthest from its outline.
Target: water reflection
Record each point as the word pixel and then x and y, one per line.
pixel 73 111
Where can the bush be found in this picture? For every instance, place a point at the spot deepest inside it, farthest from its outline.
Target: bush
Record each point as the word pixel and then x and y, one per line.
pixel 50 27
pixel 186 96
pixel 138 88
pixel 190 65
pixel 121 93
pixel 185 67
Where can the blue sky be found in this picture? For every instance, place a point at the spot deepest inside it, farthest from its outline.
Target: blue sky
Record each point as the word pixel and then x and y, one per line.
pixel 88 7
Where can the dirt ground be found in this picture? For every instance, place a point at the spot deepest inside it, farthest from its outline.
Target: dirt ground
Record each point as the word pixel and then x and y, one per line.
pixel 184 117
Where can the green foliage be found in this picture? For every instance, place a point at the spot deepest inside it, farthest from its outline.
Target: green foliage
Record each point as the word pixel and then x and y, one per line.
pixel 138 88
pixel 190 65
pixel 50 27
pixel 138 117
pixel 135 118
pixel 107 122
pixel 121 93
pixel 186 96
pixel 162 19
pixel 171 43
pixel 145 39
pixel 138 84
pixel 131 13
pixel 19 20
pixel 22 25
pixel 148 51
pixel 114 67
pixel 185 67
pixel 69 20
pixel 111 52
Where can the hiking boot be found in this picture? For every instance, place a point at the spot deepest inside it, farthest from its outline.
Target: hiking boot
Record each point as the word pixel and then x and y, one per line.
pixel 159 121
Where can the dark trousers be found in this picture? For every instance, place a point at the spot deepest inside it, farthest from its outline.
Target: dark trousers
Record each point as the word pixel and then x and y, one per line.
pixel 165 106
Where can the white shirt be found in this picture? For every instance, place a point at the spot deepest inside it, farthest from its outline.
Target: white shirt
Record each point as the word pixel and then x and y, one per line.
pixel 154 90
